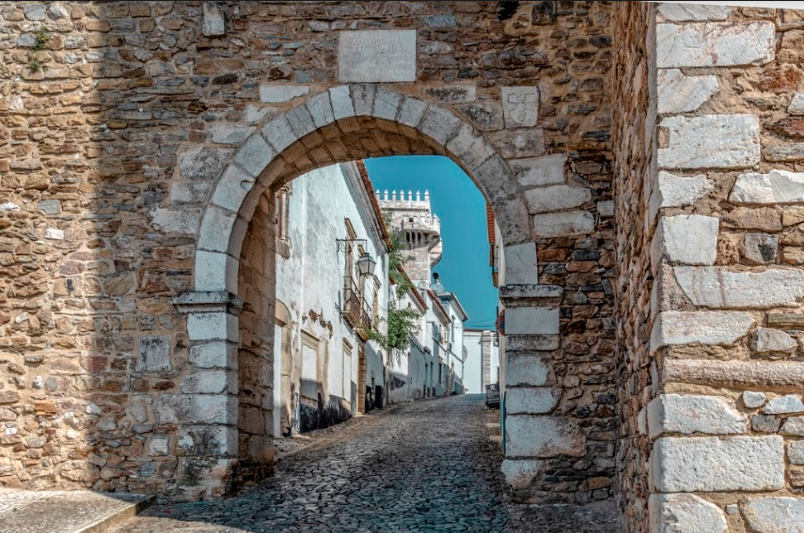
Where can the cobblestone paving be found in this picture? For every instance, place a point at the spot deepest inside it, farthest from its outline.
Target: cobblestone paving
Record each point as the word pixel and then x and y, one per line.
pixel 425 467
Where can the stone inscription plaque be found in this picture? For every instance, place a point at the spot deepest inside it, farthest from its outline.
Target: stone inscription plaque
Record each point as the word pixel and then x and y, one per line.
pixel 377 56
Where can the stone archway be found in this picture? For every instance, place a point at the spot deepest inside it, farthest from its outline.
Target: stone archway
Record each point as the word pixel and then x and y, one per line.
pixel 353 122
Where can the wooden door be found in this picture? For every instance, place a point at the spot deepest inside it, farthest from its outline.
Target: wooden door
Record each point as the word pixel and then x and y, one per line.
pixel 361 380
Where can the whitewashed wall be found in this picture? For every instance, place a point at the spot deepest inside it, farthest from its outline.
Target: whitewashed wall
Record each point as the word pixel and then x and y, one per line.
pixel 311 279
pixel 473 367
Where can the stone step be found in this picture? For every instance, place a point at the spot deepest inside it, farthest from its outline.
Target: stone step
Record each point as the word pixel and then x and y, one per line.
pixel 67 511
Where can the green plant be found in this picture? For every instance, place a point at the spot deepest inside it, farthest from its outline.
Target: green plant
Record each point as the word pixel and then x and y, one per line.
pixel 402 323
pixel 396 260
pixel 34 64
pixel 42 38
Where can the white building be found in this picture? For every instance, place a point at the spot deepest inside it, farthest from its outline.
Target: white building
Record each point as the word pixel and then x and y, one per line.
pixel 330 230
pixel 455 348
pixel 407 369
pixel 497 263
pixel 327 220
pixel 482 366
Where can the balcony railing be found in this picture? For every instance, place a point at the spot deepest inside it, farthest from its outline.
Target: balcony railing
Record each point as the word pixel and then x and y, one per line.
pixel 352 301
pixel 355 309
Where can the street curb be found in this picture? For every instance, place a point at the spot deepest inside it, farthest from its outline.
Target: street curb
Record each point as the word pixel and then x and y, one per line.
pixel 116 518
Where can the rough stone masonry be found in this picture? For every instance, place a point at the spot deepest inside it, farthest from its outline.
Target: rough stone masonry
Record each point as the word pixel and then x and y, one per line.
pixel 645 164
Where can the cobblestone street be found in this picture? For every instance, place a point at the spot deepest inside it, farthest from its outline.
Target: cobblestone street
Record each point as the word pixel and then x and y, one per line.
pixel 427 466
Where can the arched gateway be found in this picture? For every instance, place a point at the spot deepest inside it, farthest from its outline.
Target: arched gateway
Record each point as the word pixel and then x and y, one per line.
pixel 345 123
pixel 642 162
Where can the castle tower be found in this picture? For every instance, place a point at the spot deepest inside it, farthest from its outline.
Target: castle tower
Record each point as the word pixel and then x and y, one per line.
pixel 411 215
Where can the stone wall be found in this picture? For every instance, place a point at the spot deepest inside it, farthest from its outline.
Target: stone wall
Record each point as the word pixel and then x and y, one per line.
pixel 255 357
pixel 139 138
pixel 563 367
pixel 134 155
pixel 724 315
pixel 634 155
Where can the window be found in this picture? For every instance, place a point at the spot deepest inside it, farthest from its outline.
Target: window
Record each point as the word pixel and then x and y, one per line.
pixel 353 289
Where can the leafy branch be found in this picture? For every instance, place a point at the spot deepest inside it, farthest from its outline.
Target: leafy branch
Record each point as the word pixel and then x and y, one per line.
pixel 42 38
pixel 401 326
pixel 402 323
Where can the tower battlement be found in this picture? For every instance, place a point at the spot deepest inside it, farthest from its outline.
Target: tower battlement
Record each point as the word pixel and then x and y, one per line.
pixel 401 200
pixel 411 214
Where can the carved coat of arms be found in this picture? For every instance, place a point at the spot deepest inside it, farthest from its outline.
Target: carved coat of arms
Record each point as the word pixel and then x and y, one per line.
pixel 520 106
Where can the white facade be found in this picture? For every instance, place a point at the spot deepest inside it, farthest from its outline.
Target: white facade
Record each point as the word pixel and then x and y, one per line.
pixel 436 358
pixel 409 367
pixel 454 345
pixel 327 372
pixel 482 366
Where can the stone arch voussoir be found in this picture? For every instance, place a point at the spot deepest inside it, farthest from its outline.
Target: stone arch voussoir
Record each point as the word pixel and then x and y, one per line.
pixel 249 172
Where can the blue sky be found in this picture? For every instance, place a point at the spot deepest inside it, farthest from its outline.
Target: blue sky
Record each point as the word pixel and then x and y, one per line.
pixel 464 268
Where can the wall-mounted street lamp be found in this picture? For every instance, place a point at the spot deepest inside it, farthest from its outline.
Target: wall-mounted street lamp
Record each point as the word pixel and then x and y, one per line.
pixel 365 263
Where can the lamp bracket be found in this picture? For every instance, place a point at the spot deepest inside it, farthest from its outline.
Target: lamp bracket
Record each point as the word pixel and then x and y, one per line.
pixel 343 243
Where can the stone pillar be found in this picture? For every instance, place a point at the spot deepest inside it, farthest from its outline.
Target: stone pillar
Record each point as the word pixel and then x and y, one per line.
pixel 206 411
pixel 724 406
pixel 533 435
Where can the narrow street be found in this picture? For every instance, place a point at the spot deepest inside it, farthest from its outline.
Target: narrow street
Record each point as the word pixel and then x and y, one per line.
pixel 427 466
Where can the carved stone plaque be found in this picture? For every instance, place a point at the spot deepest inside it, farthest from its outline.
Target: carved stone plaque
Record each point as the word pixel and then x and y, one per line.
pixel 377 56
